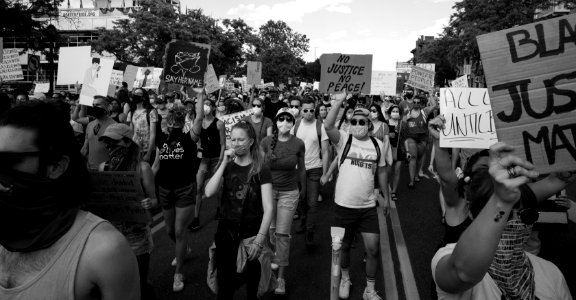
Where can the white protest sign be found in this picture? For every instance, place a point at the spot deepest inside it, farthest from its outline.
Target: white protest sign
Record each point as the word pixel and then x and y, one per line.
pixel 469 121
pixel 460 82
pixel 148 78
pixel 116 78
pixel 72 62
pixel 316 85
pixel 303 84
pixel 254 72
pixel 211 83
pixel 96 79
pixel 383 82
pixel 230 120
pixel 10 68
pixel 530 72
pixel 130 76
pixel 43 87
pixel 402 67
pixel 345 72
pixel 421 79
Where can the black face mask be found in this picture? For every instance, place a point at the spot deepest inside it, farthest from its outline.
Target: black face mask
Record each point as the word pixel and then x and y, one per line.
pixel 97 112
pixel 33 214
pixel 409 96
pixel 137 99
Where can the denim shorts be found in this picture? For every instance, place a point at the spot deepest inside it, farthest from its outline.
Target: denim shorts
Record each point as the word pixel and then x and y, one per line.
pixel 177 197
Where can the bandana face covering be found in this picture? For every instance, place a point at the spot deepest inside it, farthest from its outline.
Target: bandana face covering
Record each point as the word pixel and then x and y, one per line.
pixel 32 215
pixel 117 155
pixel 511 269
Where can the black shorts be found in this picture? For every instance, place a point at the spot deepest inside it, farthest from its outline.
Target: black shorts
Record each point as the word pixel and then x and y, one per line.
pixel 364 220
pixel 177 197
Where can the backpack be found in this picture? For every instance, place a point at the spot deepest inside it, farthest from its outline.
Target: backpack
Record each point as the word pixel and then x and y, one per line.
pixel 318 132
pixel 349 144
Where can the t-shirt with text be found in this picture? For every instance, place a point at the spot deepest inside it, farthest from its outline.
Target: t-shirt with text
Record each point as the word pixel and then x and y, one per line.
pixel 178 160
pixel 308 134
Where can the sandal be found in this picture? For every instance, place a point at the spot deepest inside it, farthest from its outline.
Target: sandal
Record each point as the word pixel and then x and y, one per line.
pixel 393 196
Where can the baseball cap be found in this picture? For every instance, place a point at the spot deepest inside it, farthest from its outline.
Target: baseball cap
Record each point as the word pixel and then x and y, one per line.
pixel 39 96
pixel 284 111
pixel 361 112
pixel 117 131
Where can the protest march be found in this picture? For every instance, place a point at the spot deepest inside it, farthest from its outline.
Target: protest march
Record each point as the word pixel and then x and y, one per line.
pixel 154 150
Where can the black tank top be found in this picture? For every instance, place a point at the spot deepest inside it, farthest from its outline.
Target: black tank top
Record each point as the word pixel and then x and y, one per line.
pixel 210 138
pixel 452 233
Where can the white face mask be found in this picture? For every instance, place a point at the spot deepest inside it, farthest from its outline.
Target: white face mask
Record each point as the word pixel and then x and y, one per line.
pixel 359 131
pixel 395 115
pixel 207 109
pixel 373 115
pixel 257 110
pixel 295 111
pixel 284 127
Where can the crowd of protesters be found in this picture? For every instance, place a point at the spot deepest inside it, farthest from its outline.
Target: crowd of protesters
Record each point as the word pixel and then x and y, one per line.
pixel 278 161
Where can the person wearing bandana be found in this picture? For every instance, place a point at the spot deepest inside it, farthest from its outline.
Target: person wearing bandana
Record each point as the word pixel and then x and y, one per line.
pixel 489 261
pixel 94 150
pixel 50 248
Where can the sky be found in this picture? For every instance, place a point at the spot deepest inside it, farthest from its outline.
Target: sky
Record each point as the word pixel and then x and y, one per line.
pixel 387 29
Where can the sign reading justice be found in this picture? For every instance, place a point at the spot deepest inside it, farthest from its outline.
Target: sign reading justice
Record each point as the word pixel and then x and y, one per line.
pixel 531 75
pixel 345 72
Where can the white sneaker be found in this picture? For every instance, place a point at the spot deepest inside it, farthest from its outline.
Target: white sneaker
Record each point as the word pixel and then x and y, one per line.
pixel 178 282
pixel 274 266
pixel 344 291
pixel 370 295
pixel 173 263
pixel 319 198
pixel 188 251
pixel 281 287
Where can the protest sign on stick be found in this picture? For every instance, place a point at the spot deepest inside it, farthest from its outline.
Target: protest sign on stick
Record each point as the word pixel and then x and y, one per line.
pixel 460 82
pixel 345 72
pixel 383 82
pixel 148 78
pixel 254 72
pixel 421 79
pixel 10 68
pixel 402 67
pixel 469 122
pixel 211 80
pixel 116 78
pixel 116 196
pixel 96 79
pixel 130 76
pixel 230 120
pixel 72 62
pixel 42 87
pixel 530 72
pixel 186 63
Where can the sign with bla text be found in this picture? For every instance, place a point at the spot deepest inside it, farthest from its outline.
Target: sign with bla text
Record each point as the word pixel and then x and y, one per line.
pixel 531 74
pixel 186 63
pixel 469 121
pixel 345 73
pixel 460 82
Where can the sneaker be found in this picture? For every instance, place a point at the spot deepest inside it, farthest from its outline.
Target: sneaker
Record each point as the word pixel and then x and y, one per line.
pixel 371 295
pixel 195 225
pixel 274 266
pixel 281 287
pixel 319 198
pixel 174 262
pixel 178 282
pixel 188 251
pixel 344 291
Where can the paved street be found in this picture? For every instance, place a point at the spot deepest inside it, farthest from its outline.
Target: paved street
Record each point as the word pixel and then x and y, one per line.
pixel 412 235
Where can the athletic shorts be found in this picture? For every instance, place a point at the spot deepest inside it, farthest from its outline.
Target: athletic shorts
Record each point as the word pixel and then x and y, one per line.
pixel 177 197
pixel 364 220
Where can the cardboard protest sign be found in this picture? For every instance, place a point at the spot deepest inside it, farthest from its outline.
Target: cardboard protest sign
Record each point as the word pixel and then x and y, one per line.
pixel 43 87
pixel 460 82
pixel 72 62
pixel 96 79
pixel 186 63
pixel 148 78
pixel 254 72
pixel 282 86
pixel 469 122
pixel 421 79
pixel 130 76
pixel 530 72
pixel 230 120
pixel 403 67
pixel 10 68
pixel 116 196
pixel 383 82
pixel 344 72
pixel 211 80
pixel 116 78
pixel 429 67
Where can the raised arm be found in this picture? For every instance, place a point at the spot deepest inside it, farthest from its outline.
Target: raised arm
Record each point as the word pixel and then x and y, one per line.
pixel 448 179
pixel 197 124
pixel 330 121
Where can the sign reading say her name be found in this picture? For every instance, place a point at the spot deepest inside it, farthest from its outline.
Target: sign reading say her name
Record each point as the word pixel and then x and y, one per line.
pixel 469 122
pixel 421 78
pixel 531 74
pixel 116 196
pixel 344 72
pixel 186 63
pixel 230 120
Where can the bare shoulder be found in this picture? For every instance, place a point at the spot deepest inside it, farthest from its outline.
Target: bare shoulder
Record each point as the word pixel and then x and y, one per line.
pixel 219 124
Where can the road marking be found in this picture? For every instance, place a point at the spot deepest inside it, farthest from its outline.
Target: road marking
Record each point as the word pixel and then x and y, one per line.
pixel 157 216
pixel 390 286
pixel 408 280
pixel 159 225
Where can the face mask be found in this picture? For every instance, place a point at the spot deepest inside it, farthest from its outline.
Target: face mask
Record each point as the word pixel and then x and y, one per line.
pixel 137 99
pixel 284 127
pixel 280 97
pixel 415 114
pixel 257 110
pixel 373 115
pixel 359 131
pixel 97 112
pixel 349 116
pixel 395 115
pixel 207 110
pixel 409 96
pixel 241 150
pixel 32 214
pixel 221 108
pixel 295 111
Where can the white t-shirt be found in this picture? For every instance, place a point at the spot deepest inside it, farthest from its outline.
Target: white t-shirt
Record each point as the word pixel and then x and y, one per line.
pixel 355 185
pixel 308 134
pixel 550 283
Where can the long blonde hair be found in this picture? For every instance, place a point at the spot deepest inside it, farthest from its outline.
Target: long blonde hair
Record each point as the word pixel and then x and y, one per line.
pixel 257 159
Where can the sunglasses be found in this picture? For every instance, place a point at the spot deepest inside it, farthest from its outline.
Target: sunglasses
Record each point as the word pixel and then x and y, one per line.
pixel 308 110
pixel 416 102
pixel 285 118
pixel 294 106
pixel 257 105
pixel 528 216
pixel 353 122
pixel 374 111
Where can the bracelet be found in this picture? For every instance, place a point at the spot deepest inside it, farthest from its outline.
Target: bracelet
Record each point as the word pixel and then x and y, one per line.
pixel 258 244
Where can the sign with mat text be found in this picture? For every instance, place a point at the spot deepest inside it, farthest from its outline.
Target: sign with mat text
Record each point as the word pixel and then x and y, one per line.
pixel 531 74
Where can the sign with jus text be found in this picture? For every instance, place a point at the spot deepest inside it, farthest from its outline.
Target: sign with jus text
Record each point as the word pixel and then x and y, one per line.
pixel 421 78
pixel 345 73
pixel 383 82
pixel 531 74
pixel 469 122
pixel 230 120
pixel 186 63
